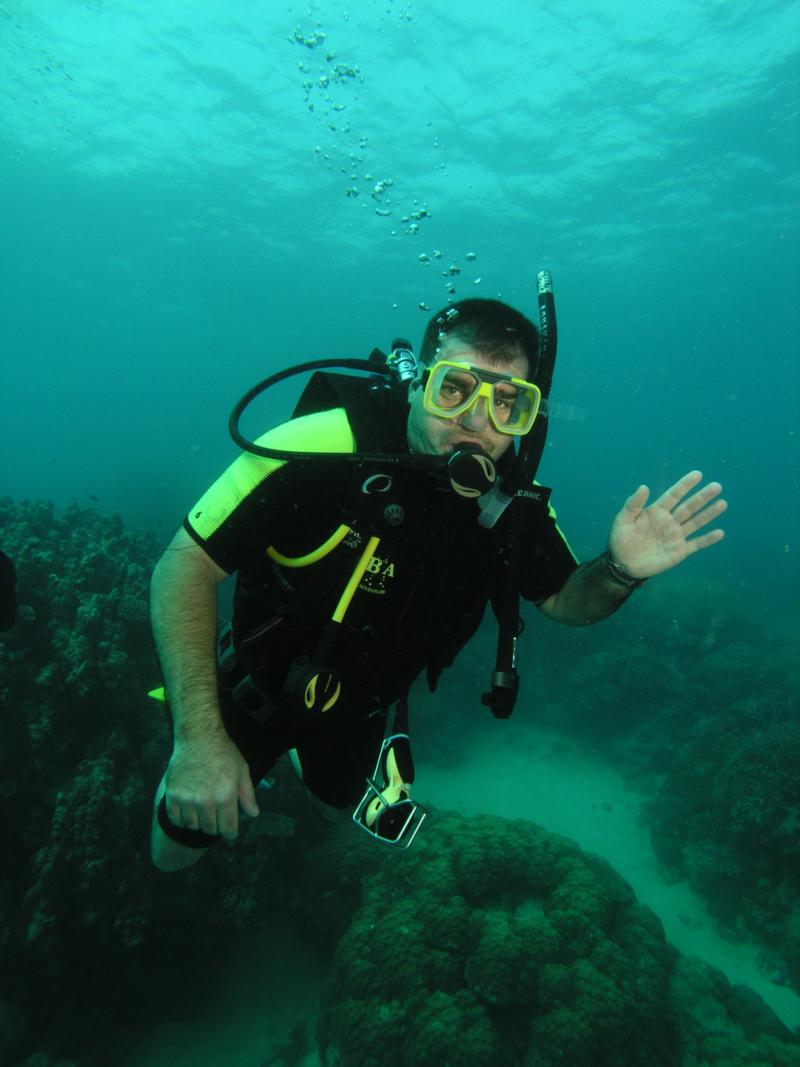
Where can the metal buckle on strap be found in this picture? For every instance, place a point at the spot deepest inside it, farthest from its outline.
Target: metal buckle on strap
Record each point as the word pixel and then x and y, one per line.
pixel 396 824
pixel 387 813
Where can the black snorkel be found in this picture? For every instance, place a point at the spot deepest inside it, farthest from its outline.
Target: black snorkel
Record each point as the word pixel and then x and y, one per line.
pixel 502 696
pixel 522 474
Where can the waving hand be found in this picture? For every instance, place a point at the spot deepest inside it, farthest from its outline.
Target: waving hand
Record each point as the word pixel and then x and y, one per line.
pixel 647 540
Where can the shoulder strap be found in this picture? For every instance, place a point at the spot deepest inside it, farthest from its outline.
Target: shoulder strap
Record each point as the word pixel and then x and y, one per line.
pixel 502 697
pixel 376 410
pixel 505 679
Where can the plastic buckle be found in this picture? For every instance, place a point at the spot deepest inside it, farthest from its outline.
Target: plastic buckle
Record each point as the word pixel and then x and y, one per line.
pixel 250 698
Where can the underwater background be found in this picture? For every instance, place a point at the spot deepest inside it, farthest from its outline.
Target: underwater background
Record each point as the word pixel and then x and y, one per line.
pixel 195 195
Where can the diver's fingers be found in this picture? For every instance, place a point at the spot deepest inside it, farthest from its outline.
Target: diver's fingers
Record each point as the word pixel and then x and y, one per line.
pixel 705 540
pixel 247 797
pixel 209 822
pixel 688 508
pixel 634 505
pixel 174 813
pixel 187 817
pixel 675 494
pixel 228 821
pixel 704 517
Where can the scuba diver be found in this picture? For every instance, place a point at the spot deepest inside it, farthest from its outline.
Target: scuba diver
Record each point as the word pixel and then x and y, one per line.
pixel 368 534
pixel 8 597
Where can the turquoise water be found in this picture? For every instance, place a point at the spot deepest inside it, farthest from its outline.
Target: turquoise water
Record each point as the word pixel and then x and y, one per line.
pixel 196 194
pixel 177 223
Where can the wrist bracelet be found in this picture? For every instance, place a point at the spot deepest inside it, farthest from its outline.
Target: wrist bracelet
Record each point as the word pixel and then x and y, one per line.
pixel 620 576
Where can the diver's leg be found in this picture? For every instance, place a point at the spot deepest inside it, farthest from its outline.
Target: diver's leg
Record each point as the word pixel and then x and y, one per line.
pixel 333 764
pixel 335 816
pixel 166 853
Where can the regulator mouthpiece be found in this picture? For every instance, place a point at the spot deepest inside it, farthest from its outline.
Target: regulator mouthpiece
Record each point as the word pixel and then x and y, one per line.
pixel 471 471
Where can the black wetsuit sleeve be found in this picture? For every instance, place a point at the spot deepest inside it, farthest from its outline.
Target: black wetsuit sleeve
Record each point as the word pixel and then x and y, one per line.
pixel 547 559
pixel 8 598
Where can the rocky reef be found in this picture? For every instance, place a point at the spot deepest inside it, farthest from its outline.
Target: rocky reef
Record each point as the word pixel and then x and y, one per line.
pixel 84 918
pixel 495 942
pixel 491 942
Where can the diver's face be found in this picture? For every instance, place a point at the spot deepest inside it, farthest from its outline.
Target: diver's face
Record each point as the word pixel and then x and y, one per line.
pixel 436 435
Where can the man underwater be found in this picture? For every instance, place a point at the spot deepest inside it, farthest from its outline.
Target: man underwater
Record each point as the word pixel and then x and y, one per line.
pixel 355 578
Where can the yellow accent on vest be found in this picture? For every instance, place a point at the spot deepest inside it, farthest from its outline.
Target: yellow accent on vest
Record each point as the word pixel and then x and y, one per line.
pixel 322 431
pixel 355 579
pixel 334 698
pixel 335 539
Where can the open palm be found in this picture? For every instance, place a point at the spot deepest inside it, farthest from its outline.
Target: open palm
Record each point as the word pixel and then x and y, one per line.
pixel 649 540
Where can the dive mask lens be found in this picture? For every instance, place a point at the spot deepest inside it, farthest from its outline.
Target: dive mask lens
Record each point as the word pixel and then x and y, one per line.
pixel 454 388
pixel 451 389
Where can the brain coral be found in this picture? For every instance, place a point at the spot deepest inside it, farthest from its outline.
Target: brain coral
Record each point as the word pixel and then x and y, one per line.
pixel 498 943
pixel 493 943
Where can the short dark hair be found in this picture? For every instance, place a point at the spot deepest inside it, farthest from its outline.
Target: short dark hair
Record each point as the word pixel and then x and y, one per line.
pixel 497 331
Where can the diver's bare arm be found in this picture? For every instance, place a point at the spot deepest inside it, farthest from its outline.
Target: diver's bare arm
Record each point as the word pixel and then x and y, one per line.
pixel 587 596
pixel 183 602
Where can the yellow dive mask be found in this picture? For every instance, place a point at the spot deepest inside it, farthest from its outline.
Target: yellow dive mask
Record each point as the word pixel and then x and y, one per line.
pixel 453 388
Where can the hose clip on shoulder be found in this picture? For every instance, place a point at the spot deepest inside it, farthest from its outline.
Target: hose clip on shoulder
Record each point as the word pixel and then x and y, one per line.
pixel 617 573
pixel 402 361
